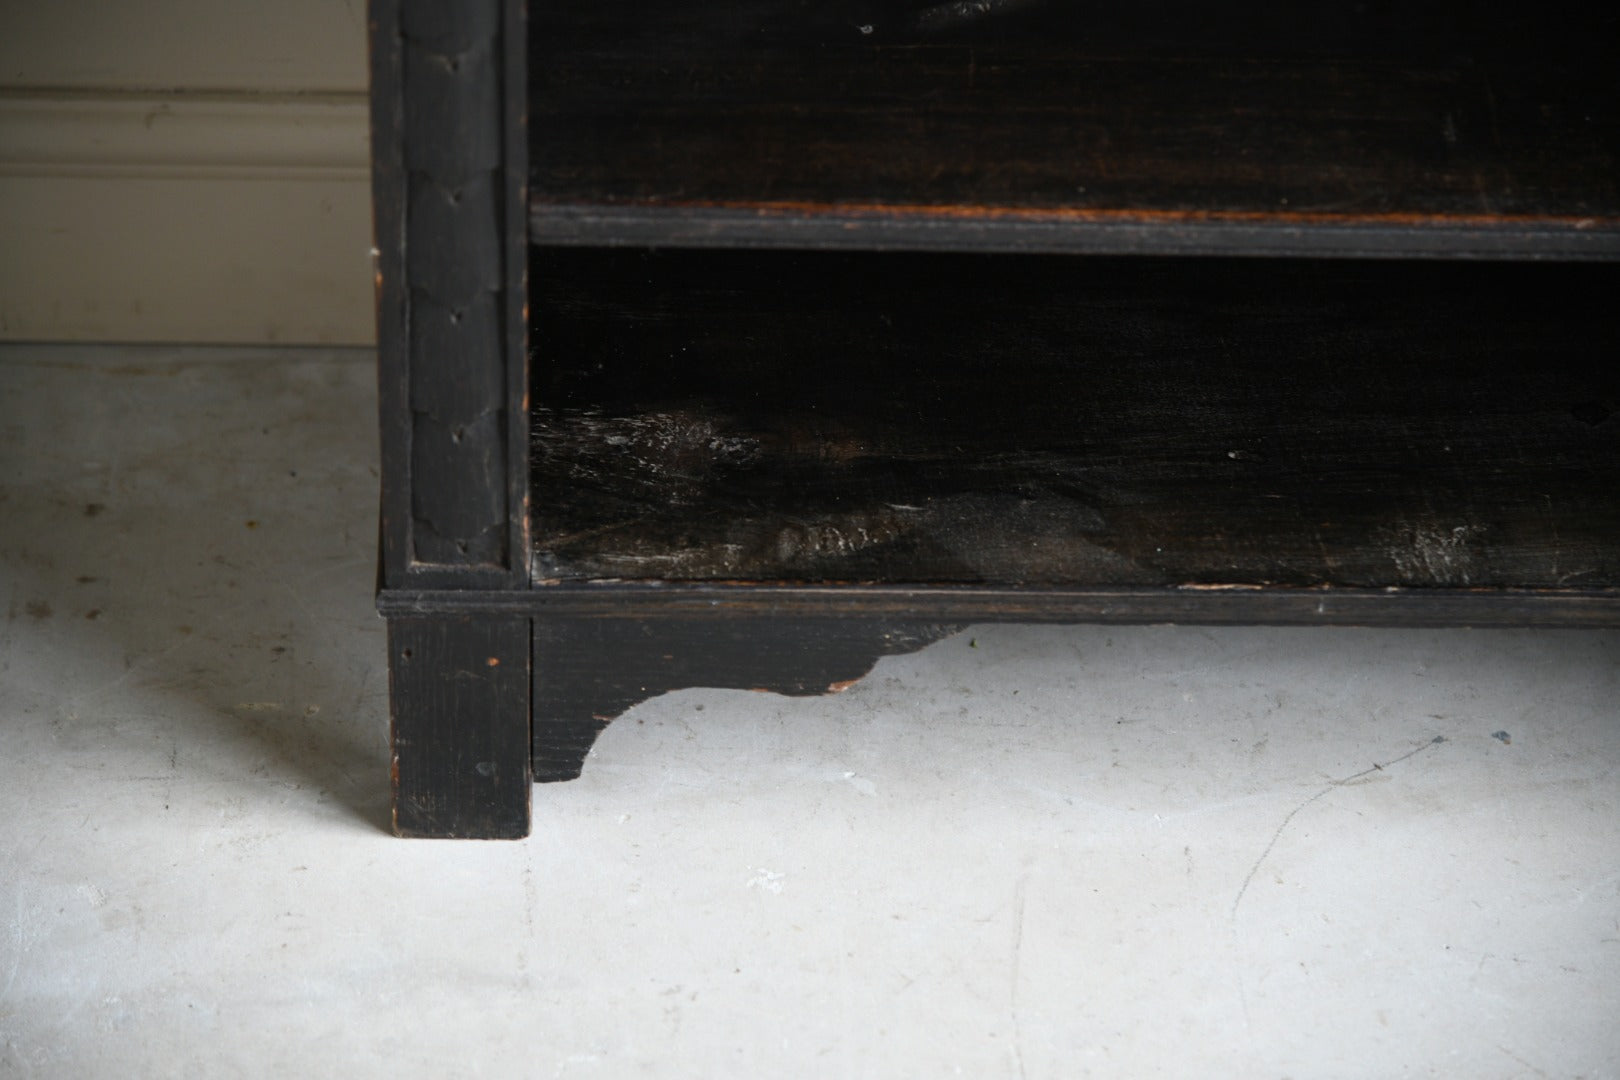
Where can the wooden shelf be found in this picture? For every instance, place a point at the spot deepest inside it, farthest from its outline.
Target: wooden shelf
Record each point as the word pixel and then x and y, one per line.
pixel 1042 421
pixel 1349 129
pixel 741 343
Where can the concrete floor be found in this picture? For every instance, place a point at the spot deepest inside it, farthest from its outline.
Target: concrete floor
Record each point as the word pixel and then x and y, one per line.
pixel 1023 852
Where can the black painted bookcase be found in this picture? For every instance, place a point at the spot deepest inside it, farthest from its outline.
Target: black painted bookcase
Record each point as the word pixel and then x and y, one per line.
pixel 739 343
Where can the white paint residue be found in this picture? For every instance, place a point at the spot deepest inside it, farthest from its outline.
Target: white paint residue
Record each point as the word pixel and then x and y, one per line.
pixel 843 535
pixel 860 784
pixel 92 895
pixel 568 1064
pixel 1431 555
pixel 766 881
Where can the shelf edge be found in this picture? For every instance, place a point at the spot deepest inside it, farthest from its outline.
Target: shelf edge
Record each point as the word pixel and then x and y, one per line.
pixel 1192 604
pixel 1069 232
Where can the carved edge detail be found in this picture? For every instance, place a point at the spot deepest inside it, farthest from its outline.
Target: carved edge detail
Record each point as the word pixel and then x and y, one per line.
pixel 589 671
pixel 452 74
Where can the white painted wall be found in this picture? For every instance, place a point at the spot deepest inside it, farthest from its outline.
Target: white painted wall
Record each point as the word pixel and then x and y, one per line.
pixel 184 170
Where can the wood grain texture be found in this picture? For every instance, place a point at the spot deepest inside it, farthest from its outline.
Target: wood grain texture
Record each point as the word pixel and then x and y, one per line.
pixel 1343 128
pixel 708 416
pixel 587 671
pixel 459 691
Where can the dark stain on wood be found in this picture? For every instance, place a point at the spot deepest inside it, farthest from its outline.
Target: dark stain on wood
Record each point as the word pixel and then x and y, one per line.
pixel 728 416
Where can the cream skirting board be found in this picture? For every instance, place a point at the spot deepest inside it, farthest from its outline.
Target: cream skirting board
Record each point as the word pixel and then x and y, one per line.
pixel 237 217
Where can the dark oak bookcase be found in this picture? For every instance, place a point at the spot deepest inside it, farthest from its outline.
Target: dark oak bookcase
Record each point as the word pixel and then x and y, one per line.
pixel 740 344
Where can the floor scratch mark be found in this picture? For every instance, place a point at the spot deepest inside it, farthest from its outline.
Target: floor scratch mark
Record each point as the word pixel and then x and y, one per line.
pixel 1521 1060
pixel 1248 879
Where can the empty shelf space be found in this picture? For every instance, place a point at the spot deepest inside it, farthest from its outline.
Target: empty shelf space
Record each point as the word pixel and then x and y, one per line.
pixel 1343 128
pixel 1049 421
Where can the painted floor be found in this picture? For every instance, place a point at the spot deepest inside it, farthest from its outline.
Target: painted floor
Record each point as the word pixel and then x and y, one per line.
pixel 1023 852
